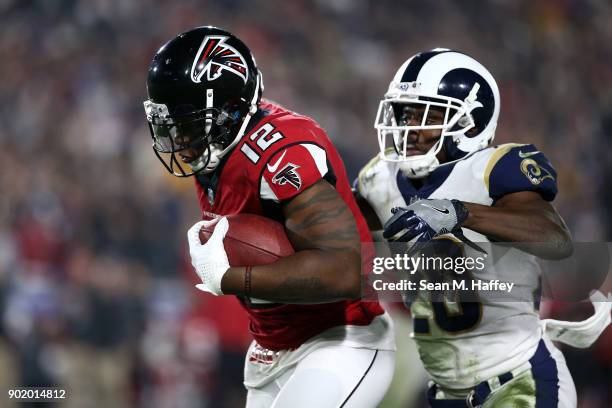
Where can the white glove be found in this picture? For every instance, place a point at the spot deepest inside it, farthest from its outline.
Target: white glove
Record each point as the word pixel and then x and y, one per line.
pixel 209 259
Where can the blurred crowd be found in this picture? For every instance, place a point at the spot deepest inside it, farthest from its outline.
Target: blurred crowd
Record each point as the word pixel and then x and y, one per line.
pixel 95 290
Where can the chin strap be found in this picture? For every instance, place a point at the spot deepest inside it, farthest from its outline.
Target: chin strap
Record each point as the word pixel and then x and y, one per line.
pixel 419 168
pixel 213 162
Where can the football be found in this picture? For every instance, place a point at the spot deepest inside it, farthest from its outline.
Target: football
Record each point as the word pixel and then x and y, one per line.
pixel 252 240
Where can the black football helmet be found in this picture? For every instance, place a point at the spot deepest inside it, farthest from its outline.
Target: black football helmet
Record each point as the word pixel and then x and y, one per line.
pixel 203 88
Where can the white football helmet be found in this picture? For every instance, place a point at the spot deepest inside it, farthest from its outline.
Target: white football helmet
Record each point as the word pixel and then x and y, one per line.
pixel 450 82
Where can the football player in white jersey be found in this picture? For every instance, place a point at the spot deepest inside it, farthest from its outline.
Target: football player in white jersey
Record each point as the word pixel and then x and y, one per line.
pixel 438 174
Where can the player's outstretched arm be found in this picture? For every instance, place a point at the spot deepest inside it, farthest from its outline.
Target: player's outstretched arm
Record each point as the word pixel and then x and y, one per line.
pixel 523 217
pixel 327 263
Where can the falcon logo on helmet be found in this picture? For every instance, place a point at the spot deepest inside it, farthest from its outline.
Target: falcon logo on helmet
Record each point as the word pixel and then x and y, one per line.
pixel 214 56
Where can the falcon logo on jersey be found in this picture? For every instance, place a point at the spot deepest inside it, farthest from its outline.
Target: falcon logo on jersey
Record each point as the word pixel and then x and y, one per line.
pixel 214 56
pixel 288 174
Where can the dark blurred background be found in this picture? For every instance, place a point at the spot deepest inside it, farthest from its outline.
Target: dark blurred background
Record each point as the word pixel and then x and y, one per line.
pixel 96 292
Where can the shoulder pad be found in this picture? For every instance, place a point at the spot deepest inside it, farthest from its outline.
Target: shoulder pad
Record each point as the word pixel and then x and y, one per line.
pixel 519 167
pixel 291 170
pixel 372 172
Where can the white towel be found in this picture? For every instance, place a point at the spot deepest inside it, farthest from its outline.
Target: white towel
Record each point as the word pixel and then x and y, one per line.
pixel 582 334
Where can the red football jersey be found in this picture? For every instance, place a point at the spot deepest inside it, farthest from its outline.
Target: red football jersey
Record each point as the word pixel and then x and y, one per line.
pixel 283 154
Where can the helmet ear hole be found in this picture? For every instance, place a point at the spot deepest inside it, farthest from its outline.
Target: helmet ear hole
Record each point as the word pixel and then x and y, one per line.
pixel 464 121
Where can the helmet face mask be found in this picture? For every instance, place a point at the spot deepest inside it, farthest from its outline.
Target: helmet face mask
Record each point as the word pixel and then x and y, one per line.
pixel 400 116
pixel 198 133
pixel 203 88
pixel 449 96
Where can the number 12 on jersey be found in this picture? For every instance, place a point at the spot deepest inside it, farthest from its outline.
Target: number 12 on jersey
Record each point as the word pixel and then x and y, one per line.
pixel 264 137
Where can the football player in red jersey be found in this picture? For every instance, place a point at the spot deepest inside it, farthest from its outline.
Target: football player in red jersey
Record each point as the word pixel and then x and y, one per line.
pixel 316 344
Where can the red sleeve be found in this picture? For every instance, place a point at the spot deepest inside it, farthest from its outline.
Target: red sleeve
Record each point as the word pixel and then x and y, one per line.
pixel 291 170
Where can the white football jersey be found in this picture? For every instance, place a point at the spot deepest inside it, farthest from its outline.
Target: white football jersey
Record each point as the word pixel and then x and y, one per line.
pixel 463 344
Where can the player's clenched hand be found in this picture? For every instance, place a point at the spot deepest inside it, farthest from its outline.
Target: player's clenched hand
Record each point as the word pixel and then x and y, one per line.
pixel 209 259
pixel 424 220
